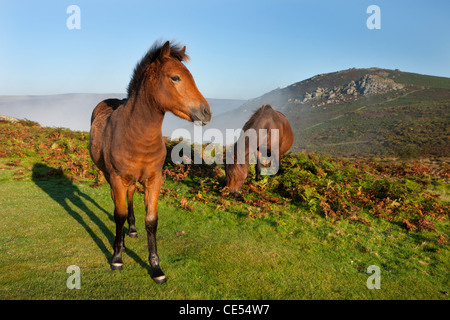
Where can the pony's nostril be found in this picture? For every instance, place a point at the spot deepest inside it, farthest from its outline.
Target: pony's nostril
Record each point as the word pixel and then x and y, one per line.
pixel 202 114
pixel 206 110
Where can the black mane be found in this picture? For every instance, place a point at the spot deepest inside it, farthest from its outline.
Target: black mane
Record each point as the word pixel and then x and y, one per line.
pixel 176 52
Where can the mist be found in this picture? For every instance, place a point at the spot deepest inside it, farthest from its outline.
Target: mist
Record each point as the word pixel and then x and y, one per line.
pixel 74 110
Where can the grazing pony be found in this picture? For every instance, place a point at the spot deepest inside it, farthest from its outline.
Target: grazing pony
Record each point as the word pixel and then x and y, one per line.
pixel 265 118
pixel 126 141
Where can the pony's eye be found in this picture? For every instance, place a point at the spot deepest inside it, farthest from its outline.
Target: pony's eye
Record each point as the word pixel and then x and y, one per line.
pixel 175 78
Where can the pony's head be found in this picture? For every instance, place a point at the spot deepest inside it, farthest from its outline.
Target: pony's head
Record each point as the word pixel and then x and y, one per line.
pixel 236 175
pixel 163 79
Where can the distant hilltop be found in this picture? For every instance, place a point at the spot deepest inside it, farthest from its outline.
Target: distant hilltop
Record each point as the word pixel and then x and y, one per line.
pixel 8 118
pixel 346 86
pixel 361 112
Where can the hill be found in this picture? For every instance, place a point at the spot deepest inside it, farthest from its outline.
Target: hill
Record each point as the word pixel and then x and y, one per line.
pixel 362 112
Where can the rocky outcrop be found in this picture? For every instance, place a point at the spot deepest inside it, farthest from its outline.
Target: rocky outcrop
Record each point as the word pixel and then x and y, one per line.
pixel 8 118
pixel 372 84
pixel 367 85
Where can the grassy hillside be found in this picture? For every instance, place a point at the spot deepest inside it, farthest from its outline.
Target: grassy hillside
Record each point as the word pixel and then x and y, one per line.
pixel 308 233
pixel 364 112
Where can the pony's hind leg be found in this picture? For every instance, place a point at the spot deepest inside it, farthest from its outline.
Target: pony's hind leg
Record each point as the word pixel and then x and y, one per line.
pixel 119 193
pixel 132 232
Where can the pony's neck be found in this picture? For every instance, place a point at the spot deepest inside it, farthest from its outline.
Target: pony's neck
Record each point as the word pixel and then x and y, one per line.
pixel 144 117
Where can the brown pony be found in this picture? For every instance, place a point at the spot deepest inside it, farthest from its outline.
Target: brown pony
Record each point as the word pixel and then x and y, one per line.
pixel 126 142
pixel 264 118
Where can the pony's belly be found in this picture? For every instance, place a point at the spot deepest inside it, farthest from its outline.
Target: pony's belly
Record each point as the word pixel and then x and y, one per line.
pixel 140 169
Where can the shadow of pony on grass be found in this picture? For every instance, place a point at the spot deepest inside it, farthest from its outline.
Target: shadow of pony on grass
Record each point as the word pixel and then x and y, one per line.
pixel 63 191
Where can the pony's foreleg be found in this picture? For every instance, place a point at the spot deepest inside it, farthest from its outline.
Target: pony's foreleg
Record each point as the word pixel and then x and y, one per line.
pixel 151 194
pixel 132 232
pixel 118 193
pixel 280 168
pixel 276 162
pixel 258 167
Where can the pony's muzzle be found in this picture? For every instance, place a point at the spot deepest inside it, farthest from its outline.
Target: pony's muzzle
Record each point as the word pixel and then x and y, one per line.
pixel 201 115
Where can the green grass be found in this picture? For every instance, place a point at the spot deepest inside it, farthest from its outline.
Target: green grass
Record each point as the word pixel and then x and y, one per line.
pixel 48 225
pixel 310 233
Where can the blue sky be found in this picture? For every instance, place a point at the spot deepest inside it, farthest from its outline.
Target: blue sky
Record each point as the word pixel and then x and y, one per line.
pixel 239 49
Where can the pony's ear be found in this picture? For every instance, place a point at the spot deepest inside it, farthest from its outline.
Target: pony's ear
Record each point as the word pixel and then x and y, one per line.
pixel 165 50
pixel 183 55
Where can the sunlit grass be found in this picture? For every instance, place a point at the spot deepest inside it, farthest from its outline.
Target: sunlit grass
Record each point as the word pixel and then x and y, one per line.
pixel 310 233
pixel 220 255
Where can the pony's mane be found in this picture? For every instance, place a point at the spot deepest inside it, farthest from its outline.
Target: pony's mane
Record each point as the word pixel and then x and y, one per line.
pixel 176 51
pixel 256 115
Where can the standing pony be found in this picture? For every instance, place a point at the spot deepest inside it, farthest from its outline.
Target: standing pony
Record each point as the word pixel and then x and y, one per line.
pixel 268 119
pixel 126 141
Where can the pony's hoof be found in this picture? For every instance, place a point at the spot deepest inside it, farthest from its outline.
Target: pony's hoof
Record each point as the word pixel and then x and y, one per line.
pixel 160 279
pixel 158 276
pixel 132 231
pixel 116 266
pixel 117 263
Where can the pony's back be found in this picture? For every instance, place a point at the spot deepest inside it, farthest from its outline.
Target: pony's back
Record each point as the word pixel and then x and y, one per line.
pixel 268 118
